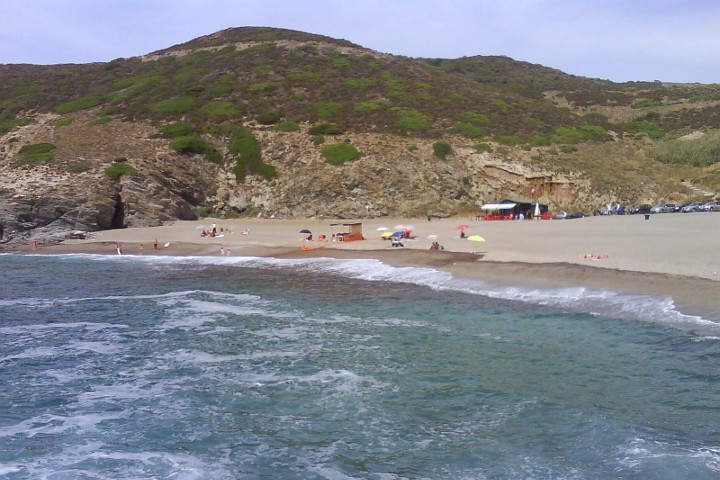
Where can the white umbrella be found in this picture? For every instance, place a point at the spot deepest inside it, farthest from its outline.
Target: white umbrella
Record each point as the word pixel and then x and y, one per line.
pixel 382 229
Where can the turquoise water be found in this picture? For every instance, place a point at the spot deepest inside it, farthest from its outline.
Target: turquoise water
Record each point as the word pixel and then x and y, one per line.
pixel 229 368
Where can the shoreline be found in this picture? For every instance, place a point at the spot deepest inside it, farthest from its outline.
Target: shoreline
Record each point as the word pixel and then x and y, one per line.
pixel 693 296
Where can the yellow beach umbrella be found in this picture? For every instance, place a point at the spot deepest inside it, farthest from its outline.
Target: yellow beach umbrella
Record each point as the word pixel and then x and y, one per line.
pixel 476 238
pixel 386 234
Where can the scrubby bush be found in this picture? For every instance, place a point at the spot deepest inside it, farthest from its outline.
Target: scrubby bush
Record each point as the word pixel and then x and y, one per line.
pixel 359 83
pixel 189 144
pixel 13 123
pixel 79 104
pixel 651 129
pixel 339 153
pixel 483 147
pixel 470 131
pixel 37 153
pixel 701 152
pixel 477 119
pixel 509 140
pixel 174 106
pixel 326 110
pixel 412 119
pixel 318 139
pixel 288 126
pixel 441 150
pixel 268 118
pixel 117 169
pixel 369 106
pixel 249 159
pixel 220 108
pixel 177 129
pixel 64 122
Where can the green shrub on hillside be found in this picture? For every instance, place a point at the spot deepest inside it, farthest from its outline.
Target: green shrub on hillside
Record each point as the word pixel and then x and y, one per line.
pixel 268 118
pixel 442 150
pixel 63 122
pixel 339 153
pixel 411 119
pixel 100 121
pixel 288 126
pixel 189 144
pixel 580 134
pixel 174 106
pixel 262 87
pixel 470 131
pixel 509 140
pixel 117 169
pixel 701 152
pixel 177 129
pixel 646 103
pixel 37 153
pixel 13 123
pixel 651 129
pixel 359 83
pixel 369 106
pixel 249 158
pixel 326 110
pixel 193 144
pixel 220 108
pixel 79 104
pixel 483 147
pixel 340 59
pixel 540 141
pixel 325 129
pixel 318 139
pixel 476 119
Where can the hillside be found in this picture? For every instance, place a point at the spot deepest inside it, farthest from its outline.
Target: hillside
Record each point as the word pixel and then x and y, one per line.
pixel 262 121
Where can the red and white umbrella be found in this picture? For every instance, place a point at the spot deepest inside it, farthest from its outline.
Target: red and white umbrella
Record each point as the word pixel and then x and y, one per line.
pixel 462 227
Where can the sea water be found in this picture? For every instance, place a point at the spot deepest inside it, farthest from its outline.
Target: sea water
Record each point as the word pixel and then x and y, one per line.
pixel 231 368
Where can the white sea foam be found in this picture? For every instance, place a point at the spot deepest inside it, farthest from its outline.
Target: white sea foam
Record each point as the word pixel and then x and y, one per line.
pixel 660 309
pixel 42 327
pixel 48 424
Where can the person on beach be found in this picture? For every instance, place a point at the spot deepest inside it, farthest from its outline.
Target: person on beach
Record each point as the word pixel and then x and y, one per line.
pixel 117 249
pixel 155 245
pixel 34 243
pixel 222 250
pixel 141 248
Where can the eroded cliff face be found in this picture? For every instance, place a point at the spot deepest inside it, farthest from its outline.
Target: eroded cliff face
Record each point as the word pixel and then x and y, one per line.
pixel 396 176
pixel 72 193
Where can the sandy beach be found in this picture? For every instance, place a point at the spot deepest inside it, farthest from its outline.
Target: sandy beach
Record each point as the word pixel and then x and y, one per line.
pixel 676 255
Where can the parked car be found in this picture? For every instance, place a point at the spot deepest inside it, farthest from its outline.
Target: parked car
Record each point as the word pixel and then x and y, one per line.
pixel 663 208
pixel 707 207
pixel 561 215
pixel 691 207
pixel 642 208
pixel 716 206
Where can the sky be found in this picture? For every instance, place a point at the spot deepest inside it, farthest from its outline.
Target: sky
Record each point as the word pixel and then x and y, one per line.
pixel 619 40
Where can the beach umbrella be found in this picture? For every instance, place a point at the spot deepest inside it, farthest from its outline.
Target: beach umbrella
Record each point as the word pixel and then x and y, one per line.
pixel 400 227
pixel 432 237
pixel 462 227
pixel 382 229
pixel 305 230
pixel 476 238
pixel 409 228
pixel 386 234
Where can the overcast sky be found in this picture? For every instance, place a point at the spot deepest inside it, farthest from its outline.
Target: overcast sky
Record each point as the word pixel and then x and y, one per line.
pixel 620 40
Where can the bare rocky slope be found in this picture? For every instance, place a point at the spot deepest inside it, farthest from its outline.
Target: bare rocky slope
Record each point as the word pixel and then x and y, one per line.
pixel 276 86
